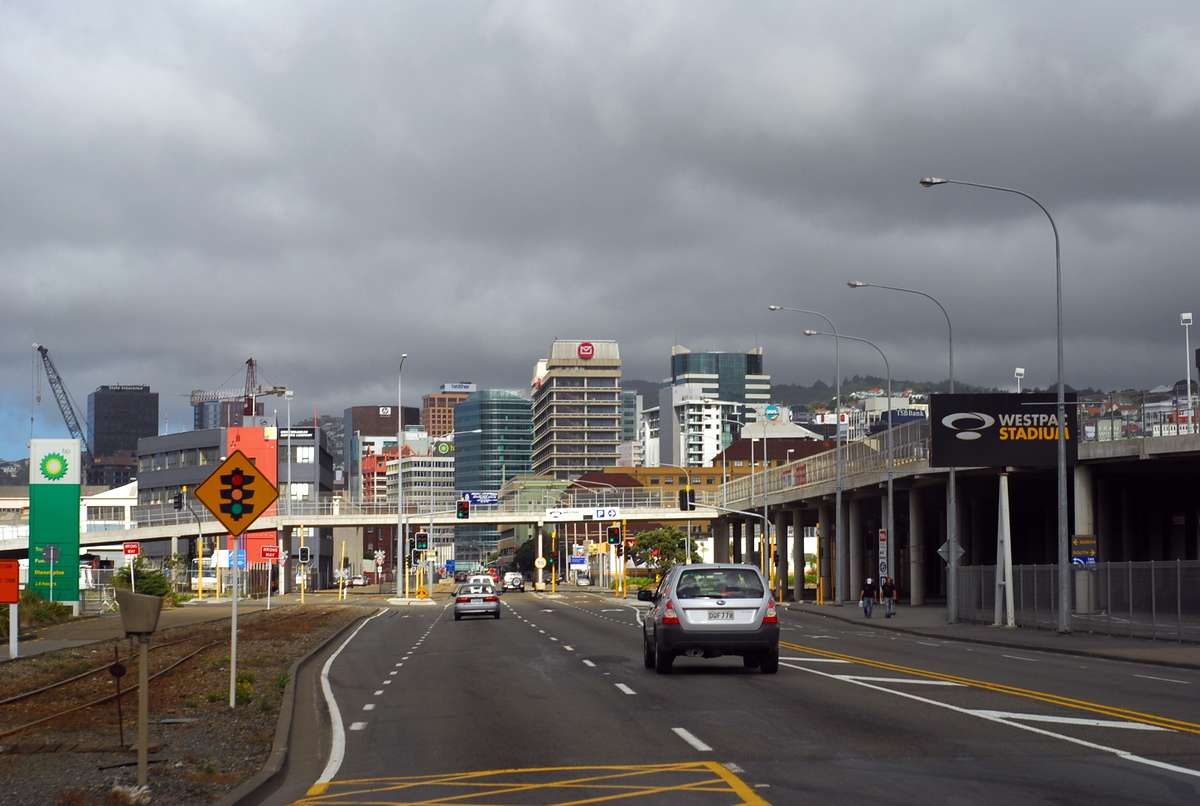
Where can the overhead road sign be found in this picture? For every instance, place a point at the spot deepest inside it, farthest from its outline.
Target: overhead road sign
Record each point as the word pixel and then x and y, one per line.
pixel 236 493
pixel 583 514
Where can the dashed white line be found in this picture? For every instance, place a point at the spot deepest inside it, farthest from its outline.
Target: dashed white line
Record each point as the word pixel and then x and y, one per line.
pixel 625 688
pixel 589 663
pixel 358 725
pixel 691 739
pixel 369 706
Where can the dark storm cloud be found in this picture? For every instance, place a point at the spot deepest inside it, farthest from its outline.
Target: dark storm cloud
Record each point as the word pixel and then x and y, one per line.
pixel 325 185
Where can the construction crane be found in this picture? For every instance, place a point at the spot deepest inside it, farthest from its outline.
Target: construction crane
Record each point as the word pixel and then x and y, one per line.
pixel 251 391
pixel 64 404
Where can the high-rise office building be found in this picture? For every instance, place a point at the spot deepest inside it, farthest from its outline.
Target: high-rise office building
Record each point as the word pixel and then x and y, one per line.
pixel 437 410
pixel 369 432
pixel 118 416
pixel 577 408
pixel 704 393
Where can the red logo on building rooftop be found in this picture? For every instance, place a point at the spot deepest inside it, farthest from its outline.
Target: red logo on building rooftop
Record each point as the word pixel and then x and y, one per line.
pixel 587 350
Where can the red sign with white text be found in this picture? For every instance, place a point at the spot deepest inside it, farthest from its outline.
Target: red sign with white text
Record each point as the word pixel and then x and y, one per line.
pixel 132 549
pixel 269 552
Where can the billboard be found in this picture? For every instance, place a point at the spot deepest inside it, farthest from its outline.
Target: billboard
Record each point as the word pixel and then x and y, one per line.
pixel 999 430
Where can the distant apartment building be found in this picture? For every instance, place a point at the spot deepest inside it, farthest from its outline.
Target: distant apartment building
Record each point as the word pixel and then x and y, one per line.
pixel 576 394
pixel 437 410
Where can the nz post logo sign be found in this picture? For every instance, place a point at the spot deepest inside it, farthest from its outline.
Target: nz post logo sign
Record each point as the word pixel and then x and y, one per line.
pixel 1003 430
pixel 236 493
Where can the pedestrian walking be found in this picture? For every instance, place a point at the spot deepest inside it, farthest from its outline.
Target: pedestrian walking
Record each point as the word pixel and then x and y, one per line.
pixel 888 591
pixel 868 597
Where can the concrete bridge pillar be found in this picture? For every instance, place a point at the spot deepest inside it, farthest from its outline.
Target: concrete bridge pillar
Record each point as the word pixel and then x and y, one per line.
pixel 737 526
pixel 782 546
pixel 797 558
pixel 916 548
pixel 824 551
pixel 855 539
pixel 721 540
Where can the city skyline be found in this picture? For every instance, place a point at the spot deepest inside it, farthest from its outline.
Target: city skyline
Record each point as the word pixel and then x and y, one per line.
pixel 326 187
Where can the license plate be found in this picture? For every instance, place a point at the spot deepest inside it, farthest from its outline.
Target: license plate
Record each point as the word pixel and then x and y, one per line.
pixel 720 615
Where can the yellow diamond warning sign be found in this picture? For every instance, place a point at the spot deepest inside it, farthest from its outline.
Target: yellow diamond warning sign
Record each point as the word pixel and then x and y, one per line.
pixel 236 493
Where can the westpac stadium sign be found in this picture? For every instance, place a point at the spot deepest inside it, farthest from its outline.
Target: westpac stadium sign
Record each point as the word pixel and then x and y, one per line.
pixel 1003 430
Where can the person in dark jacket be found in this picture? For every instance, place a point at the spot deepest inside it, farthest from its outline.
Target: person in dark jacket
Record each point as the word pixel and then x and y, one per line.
pixel 888 591
pixel 868 597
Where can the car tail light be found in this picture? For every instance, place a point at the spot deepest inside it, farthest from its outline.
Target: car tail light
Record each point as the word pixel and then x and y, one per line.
pixel 490 599
pixel 669 616
pixel 771 617
pixel 463 599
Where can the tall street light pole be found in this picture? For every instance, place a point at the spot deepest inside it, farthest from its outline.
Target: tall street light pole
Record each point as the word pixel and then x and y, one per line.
pixel 401 535
pixel 842 574
pixel 951 488
pixel 1185 319
pixel 891 503
pixel 1064 556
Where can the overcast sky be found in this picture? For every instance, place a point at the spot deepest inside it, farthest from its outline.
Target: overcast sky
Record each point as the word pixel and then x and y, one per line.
pixel 325 185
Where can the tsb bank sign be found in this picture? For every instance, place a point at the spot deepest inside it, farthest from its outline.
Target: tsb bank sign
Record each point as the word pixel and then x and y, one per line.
pixel 998 430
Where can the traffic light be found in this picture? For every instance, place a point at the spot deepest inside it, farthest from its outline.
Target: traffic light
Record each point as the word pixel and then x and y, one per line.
pixel 687 499
pixel 422 540
pixel 177 501
pixel 235 488
pixel 614 535
pixel 305 554
pixel 553 557
pixel 416 556
pixel 464 509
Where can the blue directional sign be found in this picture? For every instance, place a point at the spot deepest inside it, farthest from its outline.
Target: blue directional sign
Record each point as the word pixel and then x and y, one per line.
pixel 483 499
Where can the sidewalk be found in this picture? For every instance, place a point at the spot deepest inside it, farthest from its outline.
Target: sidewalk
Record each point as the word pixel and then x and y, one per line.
pixel 930 621
pixel 90 629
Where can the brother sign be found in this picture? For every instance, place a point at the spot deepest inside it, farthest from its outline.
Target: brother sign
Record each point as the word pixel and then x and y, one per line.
pixel 998 430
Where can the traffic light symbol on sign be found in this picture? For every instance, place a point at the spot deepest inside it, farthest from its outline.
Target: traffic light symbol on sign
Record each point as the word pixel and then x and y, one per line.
pixel 422 540
pixel 614 535
pixel 464 509
pixel 235 489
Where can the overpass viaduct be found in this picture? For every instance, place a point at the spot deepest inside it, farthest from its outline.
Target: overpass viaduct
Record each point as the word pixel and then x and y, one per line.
pixel 1139 499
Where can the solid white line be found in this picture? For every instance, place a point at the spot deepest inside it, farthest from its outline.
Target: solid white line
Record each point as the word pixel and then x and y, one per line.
pixel 625 688
pixel 1070 720
pixel 817 660
pixel 691 739
pixel 1018 657
pixel 337 744
pixel 854 678
pixel 1162 679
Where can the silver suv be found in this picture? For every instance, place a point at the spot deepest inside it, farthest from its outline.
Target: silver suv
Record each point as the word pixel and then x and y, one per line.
pixel 706 611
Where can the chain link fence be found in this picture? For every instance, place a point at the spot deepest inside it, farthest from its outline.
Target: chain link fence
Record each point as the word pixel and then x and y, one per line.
pixel 1144 599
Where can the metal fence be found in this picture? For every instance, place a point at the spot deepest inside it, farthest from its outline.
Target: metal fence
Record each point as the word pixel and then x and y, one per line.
pixel 1144 599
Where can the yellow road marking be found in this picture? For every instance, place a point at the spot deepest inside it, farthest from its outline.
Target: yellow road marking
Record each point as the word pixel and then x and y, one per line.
pixel 1053 699
pixel 602 784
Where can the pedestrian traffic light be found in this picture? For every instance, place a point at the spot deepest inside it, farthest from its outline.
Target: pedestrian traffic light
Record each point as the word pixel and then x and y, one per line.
pixel 614 535
pixel 464 509
pixel 177 500
pixel 305 554
pixel 422 540
pixel 687 499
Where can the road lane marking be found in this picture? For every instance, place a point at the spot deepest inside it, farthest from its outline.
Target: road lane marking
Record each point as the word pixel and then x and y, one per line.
pixel 358 725
pixel 1018 657
pixel 1162 679
pixel 369 706
pixel 589 663
pixel 817 660
pixel 1053 699
pixel 625 688
pixel 377 693
pixel 691 739
pixel 907 681
pixel 1068 720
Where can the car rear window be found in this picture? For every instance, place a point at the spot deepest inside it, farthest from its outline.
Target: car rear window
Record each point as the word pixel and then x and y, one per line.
pixel 719 583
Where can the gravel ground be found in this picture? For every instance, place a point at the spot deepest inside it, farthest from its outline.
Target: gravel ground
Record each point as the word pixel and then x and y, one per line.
pixel 201 748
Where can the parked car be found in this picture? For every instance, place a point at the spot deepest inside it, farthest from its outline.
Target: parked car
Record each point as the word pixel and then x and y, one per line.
pixel 706 611
pixel 358 581
pixel 476 599
pixel 583 581
pixel 514 582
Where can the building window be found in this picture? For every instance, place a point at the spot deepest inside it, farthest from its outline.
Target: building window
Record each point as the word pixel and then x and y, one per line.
pixel 306 454
pixel 738 463
pixel 106 513
pixel 654 479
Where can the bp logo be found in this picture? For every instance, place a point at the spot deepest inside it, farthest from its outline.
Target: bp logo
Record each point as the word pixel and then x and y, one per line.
pixel 54 466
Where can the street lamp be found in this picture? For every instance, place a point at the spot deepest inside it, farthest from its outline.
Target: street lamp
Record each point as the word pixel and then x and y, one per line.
pixel 1185 319
pixel 1019 374
pixel 951 486
pixel 288 395
pixel 842 574
pixel 1064 579
pixel 890 501
pixel 1064 558
pixel 401 535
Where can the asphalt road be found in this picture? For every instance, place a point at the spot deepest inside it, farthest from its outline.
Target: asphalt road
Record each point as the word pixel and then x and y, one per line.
pixel 551 704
